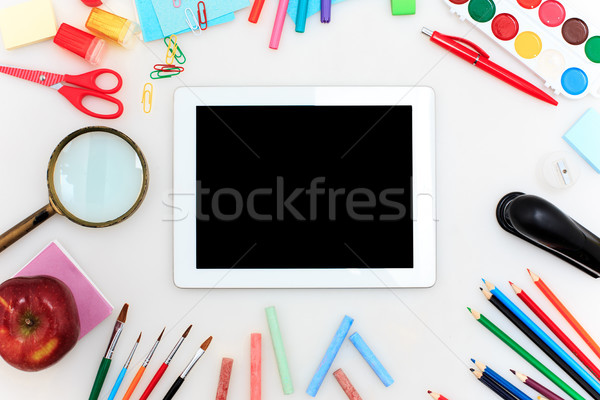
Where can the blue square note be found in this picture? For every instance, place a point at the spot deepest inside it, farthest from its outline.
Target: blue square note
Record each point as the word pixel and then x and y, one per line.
pixel 584 138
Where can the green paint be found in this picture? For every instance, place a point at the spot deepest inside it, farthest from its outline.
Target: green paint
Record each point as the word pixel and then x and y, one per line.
pixel 482 10
pixel 592 49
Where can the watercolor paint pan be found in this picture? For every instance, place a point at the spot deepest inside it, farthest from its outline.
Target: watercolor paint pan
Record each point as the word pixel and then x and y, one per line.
pixel 548 36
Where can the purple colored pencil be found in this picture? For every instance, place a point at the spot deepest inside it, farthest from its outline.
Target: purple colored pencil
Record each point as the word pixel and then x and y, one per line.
pixel 325 11
pixel 538 387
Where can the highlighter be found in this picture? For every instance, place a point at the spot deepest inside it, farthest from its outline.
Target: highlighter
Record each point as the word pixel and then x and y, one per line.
pixel 112 27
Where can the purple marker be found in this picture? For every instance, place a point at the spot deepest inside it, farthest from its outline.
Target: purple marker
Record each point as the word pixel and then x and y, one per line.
pixel 325 11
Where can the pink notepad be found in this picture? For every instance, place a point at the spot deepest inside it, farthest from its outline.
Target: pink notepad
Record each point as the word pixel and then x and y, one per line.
pixel 56 262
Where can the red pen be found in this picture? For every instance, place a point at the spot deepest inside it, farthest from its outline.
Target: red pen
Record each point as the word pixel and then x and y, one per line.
pixel 164 366
pixel 481 60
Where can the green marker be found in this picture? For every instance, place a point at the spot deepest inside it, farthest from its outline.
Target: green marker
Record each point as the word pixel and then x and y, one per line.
pixel 282 365
pixel 403 7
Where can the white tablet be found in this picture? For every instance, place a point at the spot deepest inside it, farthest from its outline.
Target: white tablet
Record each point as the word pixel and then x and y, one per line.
pixel 304 187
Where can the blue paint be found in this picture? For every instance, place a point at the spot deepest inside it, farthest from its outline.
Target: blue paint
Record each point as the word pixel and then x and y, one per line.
pixel 574 81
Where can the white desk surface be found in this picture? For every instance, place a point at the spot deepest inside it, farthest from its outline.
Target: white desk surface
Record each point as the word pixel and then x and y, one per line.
pixel 490 138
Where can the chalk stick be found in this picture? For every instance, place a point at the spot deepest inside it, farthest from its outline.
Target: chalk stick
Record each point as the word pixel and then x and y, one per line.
pixel 371 359
pixel 282 364
pixel 224 378
pixel 346 385
pixel 330 354
pixel 255 366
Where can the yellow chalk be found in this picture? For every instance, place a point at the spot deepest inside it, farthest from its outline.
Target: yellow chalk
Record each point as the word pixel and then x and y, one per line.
pixel 27 23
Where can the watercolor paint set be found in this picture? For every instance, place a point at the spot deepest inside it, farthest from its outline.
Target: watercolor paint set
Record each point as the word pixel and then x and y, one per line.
pixel 559 45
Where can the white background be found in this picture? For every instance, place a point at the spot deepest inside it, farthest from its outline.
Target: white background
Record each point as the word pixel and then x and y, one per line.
pixel 490 139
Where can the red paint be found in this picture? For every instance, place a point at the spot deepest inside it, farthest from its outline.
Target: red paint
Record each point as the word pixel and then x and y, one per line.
pixel 530 4
pixel 505 26
pixel 459 1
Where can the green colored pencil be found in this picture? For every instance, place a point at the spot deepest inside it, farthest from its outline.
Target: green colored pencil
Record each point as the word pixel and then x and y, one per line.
pixel 525 354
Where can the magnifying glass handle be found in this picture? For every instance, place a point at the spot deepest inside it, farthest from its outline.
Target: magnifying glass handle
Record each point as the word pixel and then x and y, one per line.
pixel 25 226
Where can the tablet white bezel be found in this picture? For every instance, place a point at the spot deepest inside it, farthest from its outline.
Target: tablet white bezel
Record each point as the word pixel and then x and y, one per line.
pixel 183 201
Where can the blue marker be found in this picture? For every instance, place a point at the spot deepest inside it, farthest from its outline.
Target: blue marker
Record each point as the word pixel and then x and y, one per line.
pixel 115 388
pixel 370 358
pixel 544 337
pixel 301 16
pixel 332 351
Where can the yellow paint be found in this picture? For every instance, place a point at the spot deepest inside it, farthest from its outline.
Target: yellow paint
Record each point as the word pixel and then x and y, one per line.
pixel 27 23
pixel 528 45
pixel 45 350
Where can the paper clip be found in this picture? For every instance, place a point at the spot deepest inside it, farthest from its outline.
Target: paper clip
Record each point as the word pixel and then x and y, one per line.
pixel 176 3
pixel 203 21
pixel 171 49
pixel 163 74
pixel 168 68
pixel 193 26
pixel 178 54
pixel 147 97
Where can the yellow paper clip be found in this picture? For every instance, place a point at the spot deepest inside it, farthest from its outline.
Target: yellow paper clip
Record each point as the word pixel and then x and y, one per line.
pixel 171 49
pixel 147 97
pixel 192 21
pixel 177 53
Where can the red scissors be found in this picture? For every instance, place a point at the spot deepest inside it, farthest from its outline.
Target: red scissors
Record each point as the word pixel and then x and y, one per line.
pixel 86 82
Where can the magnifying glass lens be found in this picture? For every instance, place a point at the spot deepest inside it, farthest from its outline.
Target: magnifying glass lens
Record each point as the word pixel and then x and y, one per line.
pixel 98 177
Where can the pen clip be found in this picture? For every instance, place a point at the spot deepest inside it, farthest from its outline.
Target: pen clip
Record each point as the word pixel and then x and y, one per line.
pixel 478 49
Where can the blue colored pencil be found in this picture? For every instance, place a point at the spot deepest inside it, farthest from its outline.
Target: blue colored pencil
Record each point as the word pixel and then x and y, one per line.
pixel 301 16
pixel 506 384
pixel 544 337
pixel 371 359
pixel 117 384
pixel 493 386
pixel 332 351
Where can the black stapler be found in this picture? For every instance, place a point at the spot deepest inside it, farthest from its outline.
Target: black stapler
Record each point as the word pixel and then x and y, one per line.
pixel 541 223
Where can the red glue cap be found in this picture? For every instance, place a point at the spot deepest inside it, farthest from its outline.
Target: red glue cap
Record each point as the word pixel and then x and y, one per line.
pixel 92 3
pixel 84 44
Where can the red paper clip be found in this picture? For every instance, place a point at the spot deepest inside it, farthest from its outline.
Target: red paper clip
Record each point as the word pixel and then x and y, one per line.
pixel 168 68
pixel 203 22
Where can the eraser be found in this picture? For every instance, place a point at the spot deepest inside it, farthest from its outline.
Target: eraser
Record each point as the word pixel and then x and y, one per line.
pixel 27 23
pixel 584 138
pixel 403 7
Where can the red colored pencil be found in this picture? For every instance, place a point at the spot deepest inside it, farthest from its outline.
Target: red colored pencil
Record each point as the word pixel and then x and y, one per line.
pixel 436 396
pixel 556 330
pixel 565 313
pixel 164 366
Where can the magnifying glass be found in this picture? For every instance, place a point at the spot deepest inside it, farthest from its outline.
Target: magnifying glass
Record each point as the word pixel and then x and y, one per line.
pixel 97 177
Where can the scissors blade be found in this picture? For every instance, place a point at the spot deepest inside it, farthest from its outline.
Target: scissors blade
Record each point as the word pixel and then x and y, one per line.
pixel 41 77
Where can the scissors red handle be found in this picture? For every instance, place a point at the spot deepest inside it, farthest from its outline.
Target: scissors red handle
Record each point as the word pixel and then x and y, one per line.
pixel 88 80
pixel 76 96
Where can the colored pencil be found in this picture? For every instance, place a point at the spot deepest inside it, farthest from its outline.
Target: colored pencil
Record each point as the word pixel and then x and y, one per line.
pixel 549 346
pixel 491 385
pixel 164 366
pixel 142 369
pixel 556 330
pixel 525 354
pixel 565 313
pixel 181 378
pixel 501 381
pixel 544 391
pixel 346 385
pixel 112 344
pixel 117 384
pixel 436 396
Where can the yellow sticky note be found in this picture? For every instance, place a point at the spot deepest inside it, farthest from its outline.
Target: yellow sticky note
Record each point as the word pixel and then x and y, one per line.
pixel 26 23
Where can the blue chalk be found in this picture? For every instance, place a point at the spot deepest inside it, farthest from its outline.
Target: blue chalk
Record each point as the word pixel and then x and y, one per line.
pixel 584 137
pixel 370 358
pixel 332 351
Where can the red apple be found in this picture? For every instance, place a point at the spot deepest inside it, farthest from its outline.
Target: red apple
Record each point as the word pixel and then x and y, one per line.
pixel 39 322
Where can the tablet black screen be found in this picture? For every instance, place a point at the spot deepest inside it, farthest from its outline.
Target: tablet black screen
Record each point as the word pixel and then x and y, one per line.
pixel 304 187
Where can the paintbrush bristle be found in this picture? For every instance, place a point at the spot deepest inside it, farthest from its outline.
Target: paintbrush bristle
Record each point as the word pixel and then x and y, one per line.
pixel 123 314
pixel 160 337
pixel 187 331
pixel 206 343
pixel 139 337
